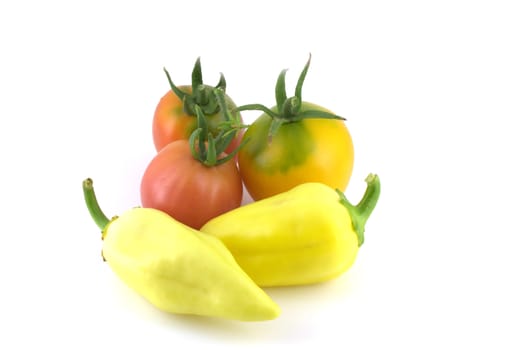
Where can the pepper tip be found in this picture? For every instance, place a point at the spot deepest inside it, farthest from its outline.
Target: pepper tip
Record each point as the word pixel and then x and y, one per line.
pixel 88 183
pixel 371 178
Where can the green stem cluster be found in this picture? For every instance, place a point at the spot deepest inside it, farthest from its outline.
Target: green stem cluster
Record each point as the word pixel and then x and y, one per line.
pixel 201 95
pixel 289 109
pixel 207 148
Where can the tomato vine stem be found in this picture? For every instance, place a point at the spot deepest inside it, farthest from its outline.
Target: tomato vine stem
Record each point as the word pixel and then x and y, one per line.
pixel 208 149
pixel 201 94
pixel 288 109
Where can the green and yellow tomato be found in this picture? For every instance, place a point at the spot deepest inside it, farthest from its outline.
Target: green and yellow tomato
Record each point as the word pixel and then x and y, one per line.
pixel 293 143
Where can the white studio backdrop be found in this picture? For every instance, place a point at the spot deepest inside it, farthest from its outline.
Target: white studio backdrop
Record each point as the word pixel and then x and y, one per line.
pixel 435 96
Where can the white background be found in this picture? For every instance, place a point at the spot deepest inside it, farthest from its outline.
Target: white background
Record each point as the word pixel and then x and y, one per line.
pixel 436 98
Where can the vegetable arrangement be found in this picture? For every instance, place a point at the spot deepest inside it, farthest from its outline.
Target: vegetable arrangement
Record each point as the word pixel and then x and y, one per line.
pixel 191 248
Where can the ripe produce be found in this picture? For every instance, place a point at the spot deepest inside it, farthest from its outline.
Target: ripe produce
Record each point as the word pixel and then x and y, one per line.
pixel 306 235
pixel 194 180
pixel 176 268
pixel 191 248
pixel 292 143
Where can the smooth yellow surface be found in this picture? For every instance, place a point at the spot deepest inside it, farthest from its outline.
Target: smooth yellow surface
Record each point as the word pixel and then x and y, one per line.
pixel 181 270
pixel 297 237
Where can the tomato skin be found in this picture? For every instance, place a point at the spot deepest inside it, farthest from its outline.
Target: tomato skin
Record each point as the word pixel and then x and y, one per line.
pixel 187 190
pixel 171 122
pixel 310 150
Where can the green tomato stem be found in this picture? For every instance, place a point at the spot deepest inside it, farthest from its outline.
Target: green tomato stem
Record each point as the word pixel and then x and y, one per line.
pixel 313 114
pixel 196 75
pixel 288 109
pixel 201 95
pixel 259 107
pixel 206 148
pixel 100 219
pixel 300 82
pixel 220 97
pixel 232 154
pixel 211 156
pixel 221 83
pixel 180 93
pixel 280 88
pixel 192 144
pixel 276 123
pixel 360 212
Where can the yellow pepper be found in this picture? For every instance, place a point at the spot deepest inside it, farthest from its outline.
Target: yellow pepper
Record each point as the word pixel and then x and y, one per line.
pixel 308 234
pixel 176 268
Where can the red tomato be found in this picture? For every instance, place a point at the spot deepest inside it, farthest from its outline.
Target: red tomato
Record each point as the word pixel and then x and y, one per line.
pixel 191 192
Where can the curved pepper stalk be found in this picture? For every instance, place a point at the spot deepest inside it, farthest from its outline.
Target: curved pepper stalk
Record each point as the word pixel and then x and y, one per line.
pixel 360 212
pixel 100 219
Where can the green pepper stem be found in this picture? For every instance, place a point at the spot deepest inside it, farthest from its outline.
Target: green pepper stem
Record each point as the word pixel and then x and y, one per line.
pixel 93 206
pixel 360 212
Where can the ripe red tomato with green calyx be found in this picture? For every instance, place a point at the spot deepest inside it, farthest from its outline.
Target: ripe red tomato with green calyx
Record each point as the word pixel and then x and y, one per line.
pixel 175 116
pixel 194 180
pixel 293 143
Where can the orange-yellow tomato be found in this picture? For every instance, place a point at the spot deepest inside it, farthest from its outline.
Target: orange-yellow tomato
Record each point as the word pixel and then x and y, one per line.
pixel 309 150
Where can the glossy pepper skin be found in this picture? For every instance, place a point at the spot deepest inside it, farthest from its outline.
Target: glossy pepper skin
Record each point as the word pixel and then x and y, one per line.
pixel 176 268
pixel 306 235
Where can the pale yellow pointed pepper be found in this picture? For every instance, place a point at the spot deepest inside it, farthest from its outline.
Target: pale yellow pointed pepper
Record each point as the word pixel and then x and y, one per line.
pixel 308 234
pixel 176 268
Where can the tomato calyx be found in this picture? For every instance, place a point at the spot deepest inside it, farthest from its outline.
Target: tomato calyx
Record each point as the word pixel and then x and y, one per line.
pixel 288 109
pixel 201 95
pixel 209 149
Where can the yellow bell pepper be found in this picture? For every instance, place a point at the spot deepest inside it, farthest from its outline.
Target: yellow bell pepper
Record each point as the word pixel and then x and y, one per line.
pixel 308 234
pixel 176 268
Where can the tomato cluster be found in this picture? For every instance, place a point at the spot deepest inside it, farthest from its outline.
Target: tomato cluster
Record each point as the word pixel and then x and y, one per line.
pixel 197 130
